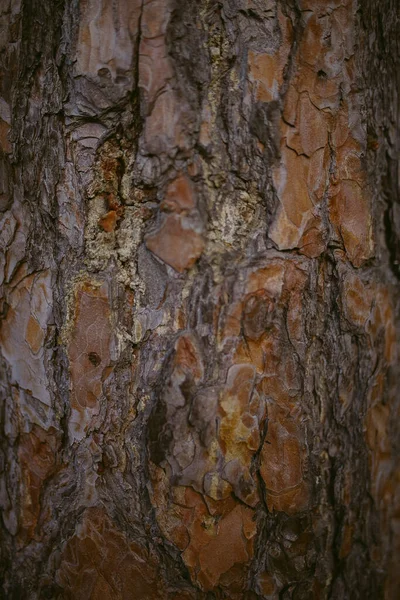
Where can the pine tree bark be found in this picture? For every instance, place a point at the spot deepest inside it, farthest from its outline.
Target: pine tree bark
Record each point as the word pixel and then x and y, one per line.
pixel 200 231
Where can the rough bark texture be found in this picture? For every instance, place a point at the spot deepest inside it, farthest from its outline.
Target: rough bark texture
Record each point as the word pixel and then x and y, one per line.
pixel 200 280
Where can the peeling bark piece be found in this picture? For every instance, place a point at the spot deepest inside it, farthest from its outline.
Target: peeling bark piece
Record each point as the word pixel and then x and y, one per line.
pixel 291 184
pixel 179 196
pixel 266 70
pixel 155 18
pixel 290 105
pixel 308 238
pixel 22 336
pixel 312 41
pixel 313 241
pixel 155 68
pixel 163 127
pixel 221 543
pixel 357 300
pixel 296 224
pixel 174 444
pixel 106 38
pixel 267 77
pixel 187 358
pixel 311 131
pixel 239 430
pixel 349 212
pixel 15 251
pixel 383 316
pixel 89 352
pixel 290 502
pixel 109 221
pixel 176 243
pixel 34 335
pixel 257 314
pixel 281 466
pixel 8 226
pixel 312 126
pixel 202 525
pixel 37 456
pixel 5 143
pixel 231 546
pixel 348 159
pixel 270 278
pixel 165 112
pixel 234 404
pixel 100 563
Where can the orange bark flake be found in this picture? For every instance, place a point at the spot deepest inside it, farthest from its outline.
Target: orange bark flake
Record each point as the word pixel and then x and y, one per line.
pixel 101 563
pixel 179 195
pixel 89 353
pixel 176 244
pixel 37 456
pixel 108 221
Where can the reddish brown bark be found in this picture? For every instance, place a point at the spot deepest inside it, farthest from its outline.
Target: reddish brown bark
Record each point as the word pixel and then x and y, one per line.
pixel 200 299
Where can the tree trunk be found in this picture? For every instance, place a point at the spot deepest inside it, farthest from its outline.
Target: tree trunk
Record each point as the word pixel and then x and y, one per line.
pixel 200 281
